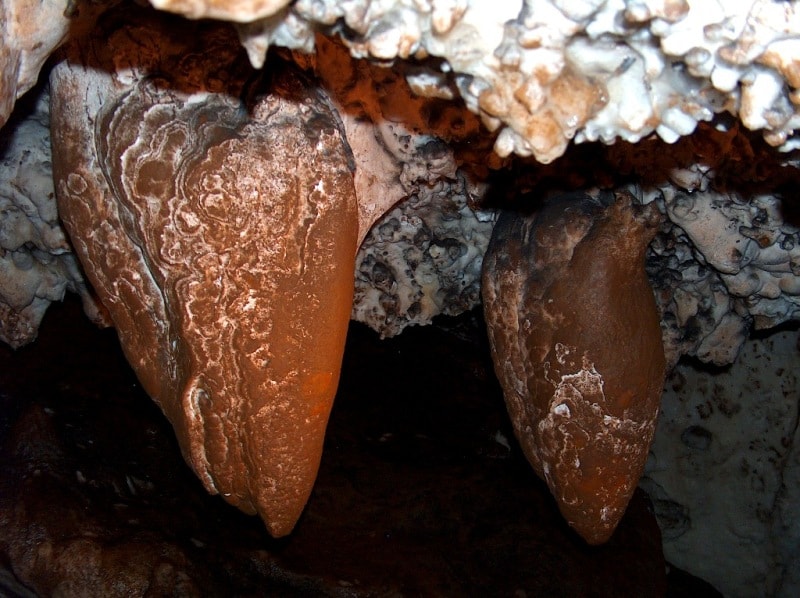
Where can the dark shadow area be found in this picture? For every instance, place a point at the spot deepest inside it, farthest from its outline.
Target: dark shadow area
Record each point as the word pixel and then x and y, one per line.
pixel 422 490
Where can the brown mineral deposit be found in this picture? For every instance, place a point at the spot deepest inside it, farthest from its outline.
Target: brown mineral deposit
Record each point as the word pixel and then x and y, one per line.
pixel 577 346
pixel 213 210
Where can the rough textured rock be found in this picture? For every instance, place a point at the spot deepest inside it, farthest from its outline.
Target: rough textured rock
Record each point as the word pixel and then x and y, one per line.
pixel 726 258
pixel 723 261
pixel 539 73
pixel 421 238
pixel 758 258
pixel 543 73
pixel 436 184
pixel 230 10
pixel 684 62
pixel 29 32
pixel 21 31
pixel 699 317
pixel 403 144
pixel 577 347
pixel 37 265
pixel 723 469
pixel 409 148
pixel 421 260
pixel 722 191
pixel 215 215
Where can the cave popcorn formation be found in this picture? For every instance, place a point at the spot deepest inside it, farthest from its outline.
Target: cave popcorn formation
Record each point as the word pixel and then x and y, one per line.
pixel 537 74
pixel 542 73
pixel 37 265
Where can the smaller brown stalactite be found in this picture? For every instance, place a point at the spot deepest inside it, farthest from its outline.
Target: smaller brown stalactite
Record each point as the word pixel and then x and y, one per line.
pixel 214 212
pixel 577 347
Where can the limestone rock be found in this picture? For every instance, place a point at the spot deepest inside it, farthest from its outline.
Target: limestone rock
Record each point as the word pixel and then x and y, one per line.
pixel 541 74
pixel 230 10
pixel 723 471
pixel 699 317
pixel 214 212
pixel 577 347
pixel 758 256
pixel 421 240
pixel 92 508
pixel 403 144
pixel 29 32
pixel 547 73
pixel 422 259
pixel 37 265
pixel 725 258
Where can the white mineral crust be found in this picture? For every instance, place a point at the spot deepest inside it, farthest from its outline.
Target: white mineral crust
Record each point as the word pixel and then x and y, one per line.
pixel 746 240
pixel 229 10
pixel 539 73
pixel 542 73
pixel 37 265
pixel 422 259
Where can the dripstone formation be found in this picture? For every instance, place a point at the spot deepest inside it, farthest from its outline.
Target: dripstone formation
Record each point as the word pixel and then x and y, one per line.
pixel 214 211
pixel 576 343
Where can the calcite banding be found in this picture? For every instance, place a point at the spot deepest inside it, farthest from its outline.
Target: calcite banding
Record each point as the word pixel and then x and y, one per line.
pixel 577 347
pixel 214 211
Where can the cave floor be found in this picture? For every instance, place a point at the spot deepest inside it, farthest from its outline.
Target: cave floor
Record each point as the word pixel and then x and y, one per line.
pixel 422 489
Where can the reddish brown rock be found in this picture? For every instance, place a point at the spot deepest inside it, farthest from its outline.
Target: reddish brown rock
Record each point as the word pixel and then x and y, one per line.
pixel 577 347
pixel 214 212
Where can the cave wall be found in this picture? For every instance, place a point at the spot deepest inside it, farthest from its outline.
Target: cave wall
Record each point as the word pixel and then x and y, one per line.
pixel 723 468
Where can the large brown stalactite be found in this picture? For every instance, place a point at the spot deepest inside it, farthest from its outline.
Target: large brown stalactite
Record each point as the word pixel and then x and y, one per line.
pixel 213 209
pixel 577 347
